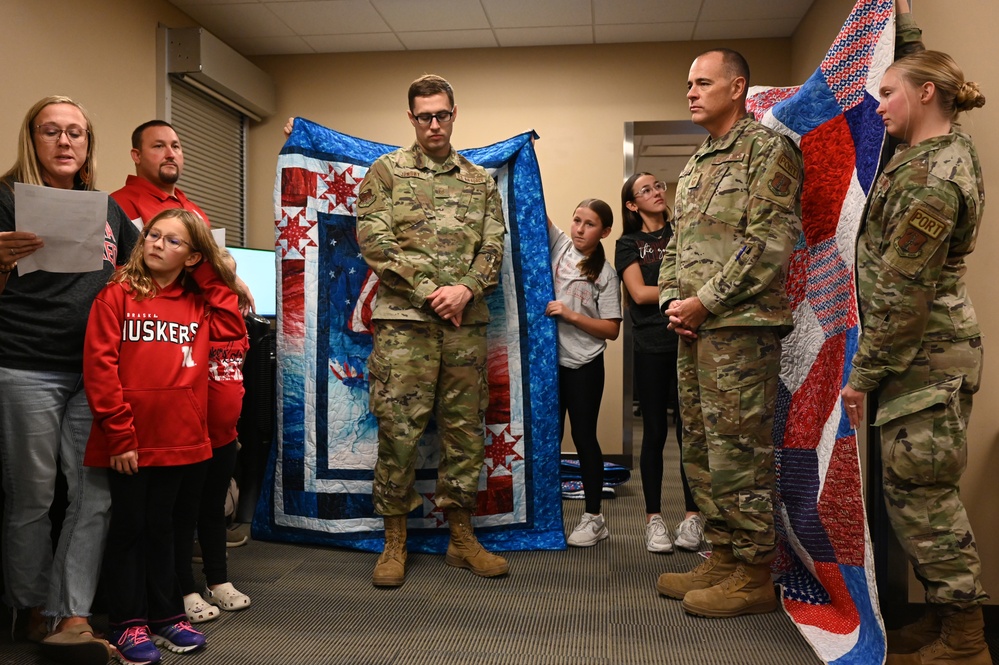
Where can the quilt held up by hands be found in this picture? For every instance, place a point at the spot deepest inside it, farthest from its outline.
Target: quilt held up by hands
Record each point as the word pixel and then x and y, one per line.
pixel 825 557
pixel 317 487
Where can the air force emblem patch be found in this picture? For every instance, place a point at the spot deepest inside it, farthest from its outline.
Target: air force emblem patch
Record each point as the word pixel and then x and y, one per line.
pixel 780 184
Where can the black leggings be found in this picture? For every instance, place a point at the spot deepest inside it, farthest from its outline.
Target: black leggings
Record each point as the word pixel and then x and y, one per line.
pixel 580 392
pixel 202 502
pixel 139 552
pixel 655 378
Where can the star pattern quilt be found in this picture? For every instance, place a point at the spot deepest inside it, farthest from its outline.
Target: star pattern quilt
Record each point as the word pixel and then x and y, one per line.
pixel 317 487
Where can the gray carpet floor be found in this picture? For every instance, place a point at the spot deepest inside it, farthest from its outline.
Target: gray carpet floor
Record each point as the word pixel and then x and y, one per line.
pixel 592 606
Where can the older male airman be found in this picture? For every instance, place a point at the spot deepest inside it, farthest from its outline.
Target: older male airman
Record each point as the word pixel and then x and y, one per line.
pixel 738 216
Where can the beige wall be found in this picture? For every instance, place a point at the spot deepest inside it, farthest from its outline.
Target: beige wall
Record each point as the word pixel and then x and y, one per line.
pixel 102 53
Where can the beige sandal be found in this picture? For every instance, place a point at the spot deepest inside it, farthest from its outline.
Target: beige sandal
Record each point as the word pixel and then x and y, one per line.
pixel 77 645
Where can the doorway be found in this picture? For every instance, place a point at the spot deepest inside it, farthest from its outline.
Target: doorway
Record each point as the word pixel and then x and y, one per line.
pixel 662 148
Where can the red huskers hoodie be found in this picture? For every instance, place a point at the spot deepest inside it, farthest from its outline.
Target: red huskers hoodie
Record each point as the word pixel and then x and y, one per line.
pixel 145 369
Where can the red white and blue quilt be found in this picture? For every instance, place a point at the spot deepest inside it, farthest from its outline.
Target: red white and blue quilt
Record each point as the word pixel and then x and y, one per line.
pixel 825 557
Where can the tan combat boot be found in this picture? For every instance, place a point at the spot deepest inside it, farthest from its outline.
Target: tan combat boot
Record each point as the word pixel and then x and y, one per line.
pixel 711 571
pixel 914 636
pixel 464 551
pixel 961 642
pixel 391 567
pixel 749 590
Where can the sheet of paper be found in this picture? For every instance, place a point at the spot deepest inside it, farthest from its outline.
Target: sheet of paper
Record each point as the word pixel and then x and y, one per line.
pixel 219 235
pixel 70 222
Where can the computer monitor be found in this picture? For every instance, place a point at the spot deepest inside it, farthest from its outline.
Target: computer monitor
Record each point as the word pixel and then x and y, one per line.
pixel 258 269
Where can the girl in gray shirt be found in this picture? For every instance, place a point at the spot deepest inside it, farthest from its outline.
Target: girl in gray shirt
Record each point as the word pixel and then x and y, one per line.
pixel 588 306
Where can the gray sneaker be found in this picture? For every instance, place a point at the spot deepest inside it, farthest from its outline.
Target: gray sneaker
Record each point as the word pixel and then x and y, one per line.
pixel 657 536
pixel 690 533
pixel 590 531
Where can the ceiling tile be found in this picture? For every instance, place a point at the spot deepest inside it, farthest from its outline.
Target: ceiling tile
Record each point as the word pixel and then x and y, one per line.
pixel 645 32
pixel 329 17
pixel 272 46
pixel 235 22
pixel 533 14
pixel 544 36
pixel 195 3
pixel 432 15
pixel 722 10
pixel 746 29
pixel 448 39
pixel 382 41
pixel 611 12
pixel 258 27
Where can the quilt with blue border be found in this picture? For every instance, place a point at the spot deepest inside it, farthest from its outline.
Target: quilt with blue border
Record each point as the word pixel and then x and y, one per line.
pixel 317 487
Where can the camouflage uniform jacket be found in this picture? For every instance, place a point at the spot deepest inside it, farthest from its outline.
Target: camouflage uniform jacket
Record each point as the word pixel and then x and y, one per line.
pixel 922 220
pixel 907 35
pixel 738 217
pixel 423 225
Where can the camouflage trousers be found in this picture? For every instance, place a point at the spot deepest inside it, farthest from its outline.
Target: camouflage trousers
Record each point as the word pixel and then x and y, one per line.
pixel 728 389
pixel 923 416
pixel 418 369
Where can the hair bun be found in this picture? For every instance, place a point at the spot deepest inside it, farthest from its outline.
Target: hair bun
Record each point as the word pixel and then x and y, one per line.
pixel 969 97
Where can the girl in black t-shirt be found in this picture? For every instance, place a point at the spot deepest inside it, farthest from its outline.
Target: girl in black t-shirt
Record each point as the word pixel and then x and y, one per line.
pixel 638 257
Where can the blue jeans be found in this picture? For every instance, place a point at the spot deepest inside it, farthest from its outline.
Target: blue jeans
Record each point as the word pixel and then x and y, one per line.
pixel 44 425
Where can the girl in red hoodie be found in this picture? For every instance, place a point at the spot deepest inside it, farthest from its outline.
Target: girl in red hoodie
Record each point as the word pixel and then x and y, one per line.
pixel 146 360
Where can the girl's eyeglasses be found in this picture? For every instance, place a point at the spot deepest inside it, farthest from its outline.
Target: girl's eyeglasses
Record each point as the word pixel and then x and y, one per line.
pixel 173 242
pixel 648 189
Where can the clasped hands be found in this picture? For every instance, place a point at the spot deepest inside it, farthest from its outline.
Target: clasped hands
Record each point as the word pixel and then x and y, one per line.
pixel 686 316
pixel 449 302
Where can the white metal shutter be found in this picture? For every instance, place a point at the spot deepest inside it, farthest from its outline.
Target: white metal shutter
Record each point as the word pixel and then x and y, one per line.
pixel 213 137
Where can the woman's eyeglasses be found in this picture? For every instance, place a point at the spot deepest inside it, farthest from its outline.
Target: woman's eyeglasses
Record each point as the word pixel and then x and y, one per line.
pixel 51 133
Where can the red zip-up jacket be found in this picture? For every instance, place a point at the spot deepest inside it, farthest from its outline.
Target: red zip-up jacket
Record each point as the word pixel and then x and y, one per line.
pixel 145 370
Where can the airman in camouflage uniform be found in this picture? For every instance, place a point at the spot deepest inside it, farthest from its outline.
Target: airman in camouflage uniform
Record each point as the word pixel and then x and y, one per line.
pixel 920 346
pixel 430 225
pixel 921 349
pixel 738 217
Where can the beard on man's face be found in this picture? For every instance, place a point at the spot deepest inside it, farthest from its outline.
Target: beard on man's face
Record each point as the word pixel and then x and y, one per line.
pixel 169 175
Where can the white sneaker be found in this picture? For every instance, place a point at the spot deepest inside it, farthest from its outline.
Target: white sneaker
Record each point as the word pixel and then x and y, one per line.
pixel 690 533
pixel 590 531
pixel 656 536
